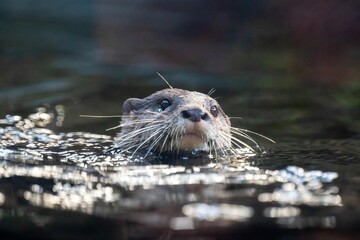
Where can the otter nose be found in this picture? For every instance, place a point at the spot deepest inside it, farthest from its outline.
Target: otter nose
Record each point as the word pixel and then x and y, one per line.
pixel 194 115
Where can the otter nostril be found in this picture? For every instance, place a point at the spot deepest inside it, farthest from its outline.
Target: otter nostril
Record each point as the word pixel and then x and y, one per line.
pixel 194 115
pixel 185 114
pixel 204 116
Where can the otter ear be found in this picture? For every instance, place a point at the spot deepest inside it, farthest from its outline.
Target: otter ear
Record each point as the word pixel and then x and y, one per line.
pixel 130 105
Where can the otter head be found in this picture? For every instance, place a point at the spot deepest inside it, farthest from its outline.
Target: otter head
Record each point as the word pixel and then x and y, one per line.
pixel 174 120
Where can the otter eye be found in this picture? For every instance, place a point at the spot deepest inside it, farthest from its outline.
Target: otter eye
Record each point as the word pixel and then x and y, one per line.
pixel 164 104
pixel 214 111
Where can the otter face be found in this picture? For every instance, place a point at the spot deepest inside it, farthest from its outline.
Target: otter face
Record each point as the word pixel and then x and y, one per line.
pixel 174 120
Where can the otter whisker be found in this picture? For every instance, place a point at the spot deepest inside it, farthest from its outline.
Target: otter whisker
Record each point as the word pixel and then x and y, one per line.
pixel 135 122
pixel 213 146
pixel 244 135
pixel 141 120
pixel 112 128
pixel 146 126
pixel 137 132
pixel 242 143
pixel 234 139
pixel 210 146
pixel 119 126
pixel 237 145
pixel 165 139
pixel 227 150
pixel 139 123
pixel 255 133
pixel 174 137
pixel 146 140
pixel 100 116
pixel 155 116
pixel 221 149
pixel 133 134
pixel 179 133
pixel 131 119
pixel 165 80
pixel 223 140
pixel 216 153
pixel 240 118
pixel 161 135
pixel 212 90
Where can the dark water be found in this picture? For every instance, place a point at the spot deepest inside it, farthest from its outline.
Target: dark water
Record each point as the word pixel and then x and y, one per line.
pixel 294 81
pixel 55 183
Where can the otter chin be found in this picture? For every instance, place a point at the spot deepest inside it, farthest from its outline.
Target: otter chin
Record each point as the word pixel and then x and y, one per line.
pixel 192 140
pixel 173 120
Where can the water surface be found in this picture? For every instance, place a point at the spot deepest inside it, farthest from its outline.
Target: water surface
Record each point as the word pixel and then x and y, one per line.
pixel 304 181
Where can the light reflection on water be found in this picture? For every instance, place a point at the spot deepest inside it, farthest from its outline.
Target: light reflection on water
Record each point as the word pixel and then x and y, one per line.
pixel 85 177
pixel 213 212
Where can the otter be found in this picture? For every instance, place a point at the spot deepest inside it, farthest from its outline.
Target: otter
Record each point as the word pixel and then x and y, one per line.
pixel 174 119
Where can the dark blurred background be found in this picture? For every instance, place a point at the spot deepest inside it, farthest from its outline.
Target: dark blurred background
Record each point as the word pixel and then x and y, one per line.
pixel 90 55
pixel 290 69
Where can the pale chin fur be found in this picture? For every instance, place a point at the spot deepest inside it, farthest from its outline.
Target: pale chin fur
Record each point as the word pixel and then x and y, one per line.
pixel 195 136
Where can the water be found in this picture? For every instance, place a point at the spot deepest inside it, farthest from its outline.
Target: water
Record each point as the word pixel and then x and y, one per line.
pixel 297 184
pixel 278 66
